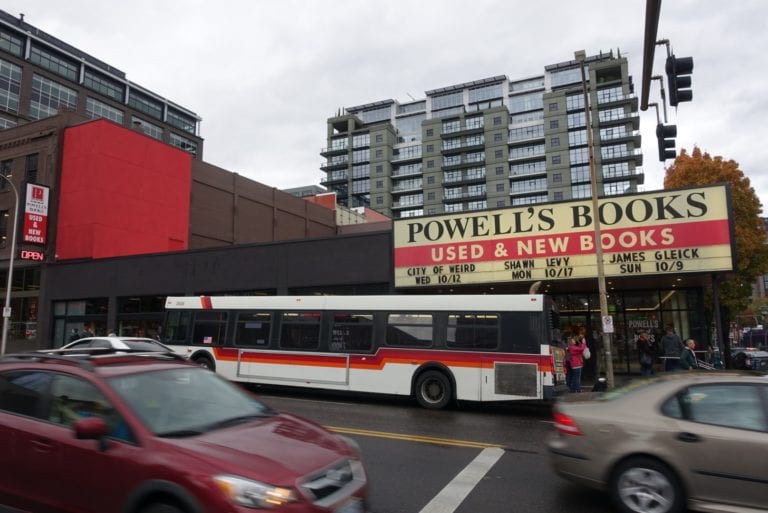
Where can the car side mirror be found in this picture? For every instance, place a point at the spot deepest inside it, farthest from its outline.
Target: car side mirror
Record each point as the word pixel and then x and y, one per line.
pixel 92 428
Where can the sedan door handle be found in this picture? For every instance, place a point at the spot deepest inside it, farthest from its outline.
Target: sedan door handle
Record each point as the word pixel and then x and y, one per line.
pixel 42 445
pixel 688 437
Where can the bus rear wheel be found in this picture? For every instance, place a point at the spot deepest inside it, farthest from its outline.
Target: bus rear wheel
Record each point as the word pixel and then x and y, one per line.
pixel 433 390
pixel 205 362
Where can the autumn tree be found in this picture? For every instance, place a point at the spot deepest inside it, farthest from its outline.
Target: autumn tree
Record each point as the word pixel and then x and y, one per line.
pixel 751 248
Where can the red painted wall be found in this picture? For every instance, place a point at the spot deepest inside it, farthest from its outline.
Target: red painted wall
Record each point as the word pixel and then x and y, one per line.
pixel 121 193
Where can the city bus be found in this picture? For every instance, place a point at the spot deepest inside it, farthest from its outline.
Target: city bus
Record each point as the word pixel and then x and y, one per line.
pixel 438 349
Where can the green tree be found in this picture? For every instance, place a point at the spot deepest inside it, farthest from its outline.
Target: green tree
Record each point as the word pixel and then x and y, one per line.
pixel 751 248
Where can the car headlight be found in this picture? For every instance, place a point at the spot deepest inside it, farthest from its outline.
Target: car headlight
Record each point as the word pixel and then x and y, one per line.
pixel 254 494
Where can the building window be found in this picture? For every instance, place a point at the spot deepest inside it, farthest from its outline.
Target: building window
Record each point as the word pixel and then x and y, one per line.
pixel 555 142
pixel 10 85
pixel 30 168
pixel 558 196
pixel 501 203
pixel 430 163
pixel 182 121
pixel 96 109
pixel 499 170
pixel 552 107
pixel 499 187
pixel 4 228
pixel 379 200
pixel 431 196
pixel 11 43
pixel 55 63
pixel 379 138
pixel 147 128
pixel 497 137
pixel 105 86
pixel 379 154
pixel 554 124
pixel 496 120
pixel 555 159
pixel 430 132
pixel 49 97
pixel 6 170
pixel 430 148
pixel 379 169
pixel 379 184
pixel 499 154
pixel 146 105
pixel 557 177
pixel 183 143
pixel 430 180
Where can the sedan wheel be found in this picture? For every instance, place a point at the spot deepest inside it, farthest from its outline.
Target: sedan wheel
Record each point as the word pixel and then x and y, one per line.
pixel 643 485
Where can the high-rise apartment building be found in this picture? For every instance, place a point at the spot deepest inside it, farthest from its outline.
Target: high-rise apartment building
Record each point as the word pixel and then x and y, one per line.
pixel 489 143
pixel 41 76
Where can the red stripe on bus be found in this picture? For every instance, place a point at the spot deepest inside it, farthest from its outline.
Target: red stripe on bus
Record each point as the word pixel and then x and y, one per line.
pixel 384 357
pixel 205 302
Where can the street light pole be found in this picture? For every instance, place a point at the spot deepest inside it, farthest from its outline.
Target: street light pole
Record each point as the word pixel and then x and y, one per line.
pixel 9 283
pixel 581 57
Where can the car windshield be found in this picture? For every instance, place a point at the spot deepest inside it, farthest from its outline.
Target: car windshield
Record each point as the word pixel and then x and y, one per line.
pixel 186 401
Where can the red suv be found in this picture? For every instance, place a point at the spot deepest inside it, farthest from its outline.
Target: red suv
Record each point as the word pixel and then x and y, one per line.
pixel 149 433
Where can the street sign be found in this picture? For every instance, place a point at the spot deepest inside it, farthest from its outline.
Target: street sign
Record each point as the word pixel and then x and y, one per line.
pixel 607 324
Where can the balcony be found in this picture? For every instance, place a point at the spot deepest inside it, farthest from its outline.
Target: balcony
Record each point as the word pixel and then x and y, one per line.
pixel 335 163
pixel 623 136
pixel 628 117
pixel 635 155
pixel 333 150
pixel 334 178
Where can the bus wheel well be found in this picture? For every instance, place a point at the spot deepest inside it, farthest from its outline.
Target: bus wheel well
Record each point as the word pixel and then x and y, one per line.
pixel 203 359
pixel 433 385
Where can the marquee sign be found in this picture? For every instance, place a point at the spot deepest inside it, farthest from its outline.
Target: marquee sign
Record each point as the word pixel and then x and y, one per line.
pixel 36 214
pixel 663 232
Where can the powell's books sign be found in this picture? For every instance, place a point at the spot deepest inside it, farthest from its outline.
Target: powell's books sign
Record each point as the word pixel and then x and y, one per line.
pixel 672 231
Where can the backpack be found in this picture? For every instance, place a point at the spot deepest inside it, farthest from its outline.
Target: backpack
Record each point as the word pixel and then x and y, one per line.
pixel 586 354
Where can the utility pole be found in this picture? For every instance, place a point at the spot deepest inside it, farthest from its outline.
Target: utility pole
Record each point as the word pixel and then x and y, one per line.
pixel 581 56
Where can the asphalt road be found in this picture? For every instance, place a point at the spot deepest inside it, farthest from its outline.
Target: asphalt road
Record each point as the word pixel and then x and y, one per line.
pixel 468 459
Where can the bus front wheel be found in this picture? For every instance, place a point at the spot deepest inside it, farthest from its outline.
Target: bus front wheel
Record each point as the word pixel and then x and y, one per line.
pixel 433 390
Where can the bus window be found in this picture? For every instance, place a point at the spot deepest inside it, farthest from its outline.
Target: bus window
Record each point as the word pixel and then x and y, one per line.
pixel 473 331
pixel 406 329
pixel 351 332
pixel 209 327
pixel 300 330
pixel 176 329
pixel 252 329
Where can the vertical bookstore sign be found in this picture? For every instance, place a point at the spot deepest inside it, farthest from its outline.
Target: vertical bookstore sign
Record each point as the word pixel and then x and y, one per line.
pixel 36 214
pixel 662 232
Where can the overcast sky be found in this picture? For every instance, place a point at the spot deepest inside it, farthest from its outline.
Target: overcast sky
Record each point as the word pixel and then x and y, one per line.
pixel 265 75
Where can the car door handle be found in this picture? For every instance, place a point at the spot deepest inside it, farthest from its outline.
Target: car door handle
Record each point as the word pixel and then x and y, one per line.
pixel 688 437
pixel 42 445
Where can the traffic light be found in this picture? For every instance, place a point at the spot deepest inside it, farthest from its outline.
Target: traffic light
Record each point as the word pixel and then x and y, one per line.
pixel 666 136
pixel 679 79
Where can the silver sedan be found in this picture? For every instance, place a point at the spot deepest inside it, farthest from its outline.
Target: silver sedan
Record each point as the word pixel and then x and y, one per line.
pixel 696 440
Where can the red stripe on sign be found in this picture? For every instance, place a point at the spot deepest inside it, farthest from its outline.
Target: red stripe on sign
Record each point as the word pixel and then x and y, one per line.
pixel 205 302
pixel 645 238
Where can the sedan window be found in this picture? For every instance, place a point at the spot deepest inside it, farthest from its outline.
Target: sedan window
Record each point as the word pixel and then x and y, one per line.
pixel 730 405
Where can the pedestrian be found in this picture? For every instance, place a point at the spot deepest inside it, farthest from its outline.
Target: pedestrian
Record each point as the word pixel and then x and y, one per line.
pixel 75 335
pixel 87 330
pixel 673 346
pixel 688 357
pixel 646 349
pixel 576 359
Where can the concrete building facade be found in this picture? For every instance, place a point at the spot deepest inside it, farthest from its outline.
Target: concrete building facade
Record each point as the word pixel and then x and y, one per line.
pixel 489 143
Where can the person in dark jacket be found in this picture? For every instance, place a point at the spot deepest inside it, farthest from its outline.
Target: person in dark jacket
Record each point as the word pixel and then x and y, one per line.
pixel 673 346
pixel 647 352
pixel 688 357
